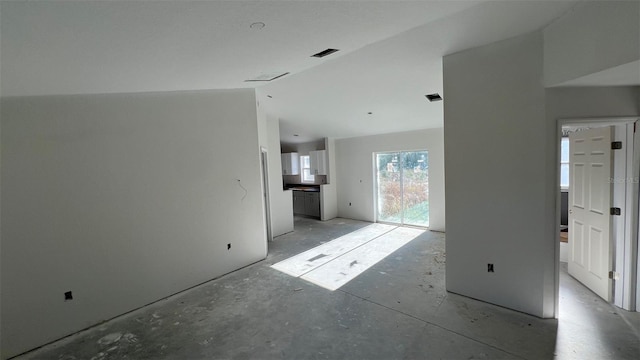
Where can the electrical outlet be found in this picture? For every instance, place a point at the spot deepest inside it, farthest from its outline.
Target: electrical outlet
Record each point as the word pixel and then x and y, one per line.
pixel 490 268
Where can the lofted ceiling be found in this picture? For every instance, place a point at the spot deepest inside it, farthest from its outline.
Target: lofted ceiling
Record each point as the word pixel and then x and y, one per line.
pixel 81 47
pixel 622 75
pixel 390 53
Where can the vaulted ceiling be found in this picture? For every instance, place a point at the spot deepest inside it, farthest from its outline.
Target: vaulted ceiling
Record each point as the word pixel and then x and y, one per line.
pixel 390 53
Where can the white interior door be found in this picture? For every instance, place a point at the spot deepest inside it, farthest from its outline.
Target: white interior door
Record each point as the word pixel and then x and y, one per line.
pixel 589 209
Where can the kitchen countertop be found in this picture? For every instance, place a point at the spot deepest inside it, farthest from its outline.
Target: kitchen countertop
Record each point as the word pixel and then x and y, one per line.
pixel 307 188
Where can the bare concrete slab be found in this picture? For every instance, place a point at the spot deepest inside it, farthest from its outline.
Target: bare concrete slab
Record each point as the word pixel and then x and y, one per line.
pixel 310 260
pixel 345 268
pixel 397 309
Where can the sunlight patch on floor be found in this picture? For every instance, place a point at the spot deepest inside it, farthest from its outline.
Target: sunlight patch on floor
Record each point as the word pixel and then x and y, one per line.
pixel 333 264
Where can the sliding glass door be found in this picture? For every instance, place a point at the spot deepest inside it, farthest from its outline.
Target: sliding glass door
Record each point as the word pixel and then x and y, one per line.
pixel 402 187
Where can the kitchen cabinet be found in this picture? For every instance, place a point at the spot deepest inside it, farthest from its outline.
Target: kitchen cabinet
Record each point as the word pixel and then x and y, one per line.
pixel 290 163
pixel 318 162
pixel 306 203
pixel 299 202
pixel 312 204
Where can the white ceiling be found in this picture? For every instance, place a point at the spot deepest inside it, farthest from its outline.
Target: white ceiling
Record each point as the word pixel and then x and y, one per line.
pixel 80 47
pixel 390 53
pixel 390 78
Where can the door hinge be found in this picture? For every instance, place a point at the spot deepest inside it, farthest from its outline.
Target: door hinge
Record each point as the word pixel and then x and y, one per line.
pixel 615 211
pixel 616 145
pixel 614 275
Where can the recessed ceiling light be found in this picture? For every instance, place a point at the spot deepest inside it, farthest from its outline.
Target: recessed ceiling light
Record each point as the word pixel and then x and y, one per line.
pixel 324 53
pixel 434 97
pixel 257 26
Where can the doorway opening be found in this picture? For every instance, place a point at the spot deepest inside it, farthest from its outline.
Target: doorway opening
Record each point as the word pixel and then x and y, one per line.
pixel 598 203
pixel 402 187
pixel 590 223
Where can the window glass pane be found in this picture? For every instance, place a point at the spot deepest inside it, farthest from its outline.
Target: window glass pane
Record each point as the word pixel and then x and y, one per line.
pixel 403 187
pixel 389 188
pixel 306 176
pixel 564 151
pixel 415 188
pixel 564 175
pixel 306 169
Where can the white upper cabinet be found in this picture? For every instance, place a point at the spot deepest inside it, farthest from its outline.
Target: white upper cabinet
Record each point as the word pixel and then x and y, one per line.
pixel 290 164
pixel 318 162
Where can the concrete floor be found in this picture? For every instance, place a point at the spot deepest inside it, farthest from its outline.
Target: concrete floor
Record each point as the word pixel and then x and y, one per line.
pixel 398 309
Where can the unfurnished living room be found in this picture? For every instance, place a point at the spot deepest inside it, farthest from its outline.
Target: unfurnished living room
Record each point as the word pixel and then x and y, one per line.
pixel 319 179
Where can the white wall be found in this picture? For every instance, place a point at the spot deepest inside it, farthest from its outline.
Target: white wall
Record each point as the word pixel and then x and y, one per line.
pixel 329 192
pixel 123 199
pixel 636 170
pixel 1 331
pixel 355 172
pixel 495 100
pixel 495 137
pixel 281 201
pixel 586 102
pixel 594 36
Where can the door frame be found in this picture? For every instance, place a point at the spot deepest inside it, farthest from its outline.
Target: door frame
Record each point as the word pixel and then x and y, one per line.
pixel 625 249
pixel 376 185
pixel 264 164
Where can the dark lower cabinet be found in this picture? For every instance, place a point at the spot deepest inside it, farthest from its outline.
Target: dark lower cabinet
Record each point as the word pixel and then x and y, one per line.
pixel 306 203
pixel 312 204
pixel 298 202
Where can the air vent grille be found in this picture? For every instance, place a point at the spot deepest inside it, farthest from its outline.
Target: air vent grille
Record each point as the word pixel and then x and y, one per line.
pixel 434 97
pixel 324 53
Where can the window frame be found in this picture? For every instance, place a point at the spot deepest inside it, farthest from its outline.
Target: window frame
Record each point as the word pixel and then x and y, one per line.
pixel 304 178
pixel 565 140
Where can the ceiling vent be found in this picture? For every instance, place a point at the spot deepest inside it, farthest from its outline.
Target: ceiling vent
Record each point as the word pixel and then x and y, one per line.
pixel 434 97
pixel 324 53
pixel 267 77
